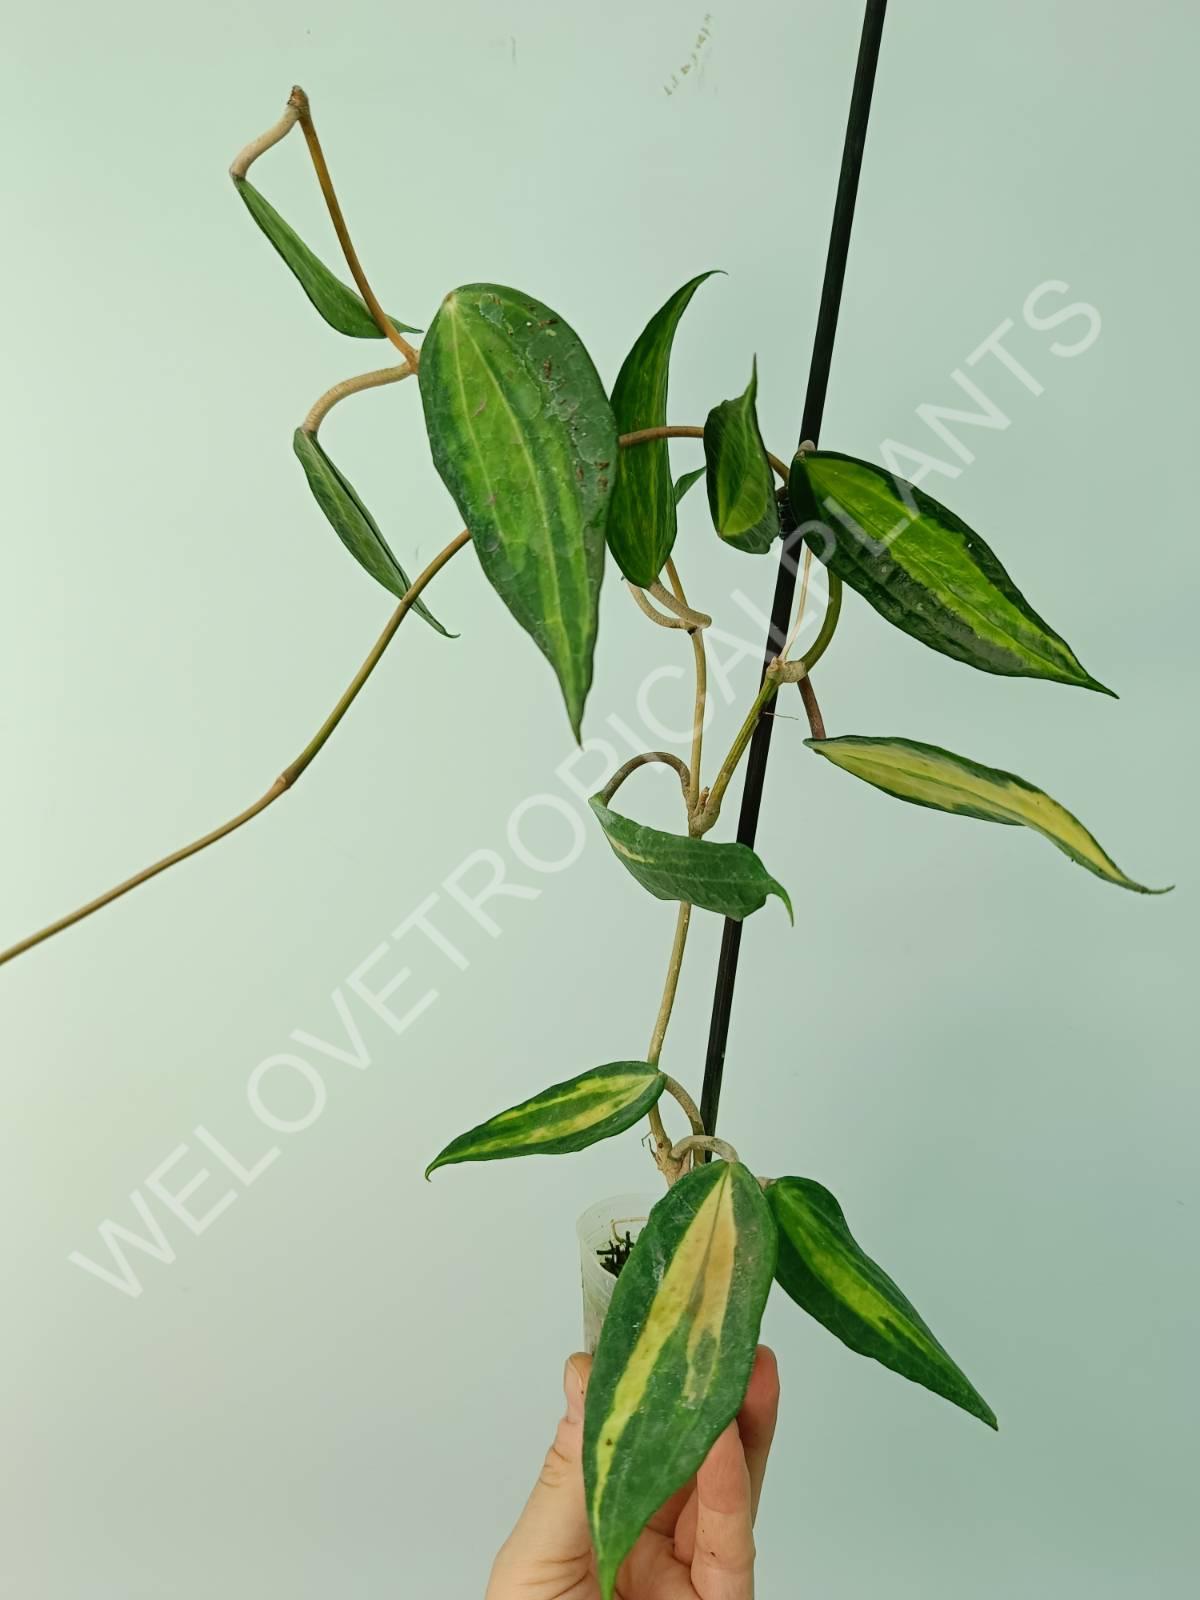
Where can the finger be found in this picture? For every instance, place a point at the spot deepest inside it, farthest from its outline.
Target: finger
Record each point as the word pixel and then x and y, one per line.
pixel 756 1428
pixel 552 1531
pixel 723 1558
pixel 757 1418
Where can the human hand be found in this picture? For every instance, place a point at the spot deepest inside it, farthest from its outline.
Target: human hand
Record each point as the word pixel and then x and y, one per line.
pixel 698 1547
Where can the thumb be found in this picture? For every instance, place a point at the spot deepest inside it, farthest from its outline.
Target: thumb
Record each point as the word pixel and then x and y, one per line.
pixel 553 1528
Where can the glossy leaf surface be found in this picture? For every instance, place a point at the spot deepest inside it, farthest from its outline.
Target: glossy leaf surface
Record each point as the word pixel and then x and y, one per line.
pixel 337 302
pixel 353 523
pixel 726 878
pixel 923 569
pixel 928 776
pixel 642 525
pixel 566 1117
pixel 823 1269
pixel 741 485
pixel 523 437
pixel 676 1351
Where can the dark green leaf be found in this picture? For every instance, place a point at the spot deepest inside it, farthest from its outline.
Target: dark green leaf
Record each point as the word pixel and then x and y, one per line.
pixel 353 523
pixel 923 569
pixel 726 878
pixel 929 776
pixel 685 481
pixel 741 486
pixel 338 304
pixel 825 1272
pixel 523 436
pixel 641 525
pixel 567 1117
pixel 675 1352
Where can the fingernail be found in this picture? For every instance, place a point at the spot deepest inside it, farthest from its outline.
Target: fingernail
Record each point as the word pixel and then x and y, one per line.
pixel 573 1389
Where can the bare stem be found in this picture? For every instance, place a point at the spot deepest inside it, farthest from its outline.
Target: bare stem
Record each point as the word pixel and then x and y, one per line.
pixel 281 785
pixel 246 158
pixel 299 100
pixel 816 723
pixel 703 1141
pixel 646 758
pixel 671 985
pixel 689 618
pixel 701 664
pixel 671 621
pixel 690 1109
pixel 348 386
pixel 712 807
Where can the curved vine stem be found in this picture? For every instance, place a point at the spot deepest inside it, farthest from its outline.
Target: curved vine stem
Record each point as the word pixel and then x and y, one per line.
pixel 282 784
pixel 246 158
pixel 348 386
pixel 703 1141
pixel 647 758
pixel 299 101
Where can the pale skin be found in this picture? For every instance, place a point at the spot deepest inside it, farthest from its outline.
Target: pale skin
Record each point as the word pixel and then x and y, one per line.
pixel 700 1546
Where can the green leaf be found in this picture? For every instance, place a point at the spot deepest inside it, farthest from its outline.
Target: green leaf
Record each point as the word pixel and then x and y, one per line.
pixel 741 486
pixel 923 569
pixel 354 524
pixel 726 878
pixel 828 1275
pixel 641 525
pixel 564 1118
pixel 685 481
pixel 675 1352
pixel 338 304
pixel 928 776
pixel 523 436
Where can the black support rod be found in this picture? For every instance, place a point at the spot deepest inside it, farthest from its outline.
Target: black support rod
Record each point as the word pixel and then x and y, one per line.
pixel 785 582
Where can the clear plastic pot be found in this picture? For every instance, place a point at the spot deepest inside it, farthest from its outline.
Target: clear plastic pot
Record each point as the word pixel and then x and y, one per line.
pixel 600 1225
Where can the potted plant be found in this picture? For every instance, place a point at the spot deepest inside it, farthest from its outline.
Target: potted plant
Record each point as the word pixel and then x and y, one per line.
pixel 555 478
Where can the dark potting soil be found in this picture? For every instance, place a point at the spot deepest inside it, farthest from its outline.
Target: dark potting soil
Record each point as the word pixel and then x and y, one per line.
pixel 615 1254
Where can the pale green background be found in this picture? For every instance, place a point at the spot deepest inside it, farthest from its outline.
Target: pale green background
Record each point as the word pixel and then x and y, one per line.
pixel 345 1385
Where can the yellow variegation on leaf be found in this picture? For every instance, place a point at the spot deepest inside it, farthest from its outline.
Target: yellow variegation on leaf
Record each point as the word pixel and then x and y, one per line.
pixel 926 775
pixel 676 1351
pixel 564 1118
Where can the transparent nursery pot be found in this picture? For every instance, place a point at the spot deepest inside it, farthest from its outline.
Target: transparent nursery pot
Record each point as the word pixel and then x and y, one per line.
pixel 600 1225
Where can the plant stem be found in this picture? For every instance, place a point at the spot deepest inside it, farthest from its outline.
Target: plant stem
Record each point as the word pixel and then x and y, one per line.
pixel 703 1142
pixel 671 985
pixel 647 758
pixel 712 807
pixel 785 582
pixel 282 784
pixel 348 386
pixel 299 100
pixel 701 664
pixel 246 158
pixel 690 1109
pixel 678 431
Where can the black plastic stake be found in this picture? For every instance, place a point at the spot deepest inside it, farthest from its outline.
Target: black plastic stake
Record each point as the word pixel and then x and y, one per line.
pixel 785 582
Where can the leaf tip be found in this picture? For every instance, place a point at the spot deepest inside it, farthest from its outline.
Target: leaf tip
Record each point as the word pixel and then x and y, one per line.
pixel 777 888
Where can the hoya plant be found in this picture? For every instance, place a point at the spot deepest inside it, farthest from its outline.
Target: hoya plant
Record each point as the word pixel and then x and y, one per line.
pixel 558 480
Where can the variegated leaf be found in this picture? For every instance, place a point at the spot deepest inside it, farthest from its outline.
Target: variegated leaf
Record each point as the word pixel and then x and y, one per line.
pixel 923 569
pixel 642 525
pixel 341 308
pixel 354 524
pixel 564 1118
pixel 523 436
pixel 675 1352
pixel 741 486
pixel 823 1269
pixel 928 776
pixel 726 878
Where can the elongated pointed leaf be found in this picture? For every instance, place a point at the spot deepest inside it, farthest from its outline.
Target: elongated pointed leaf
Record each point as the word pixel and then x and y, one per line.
pixel 338 304
pixel 726 878
pixel 823 1269
pixel 566 1117
pixel 523 436
pixel 675 1352
pixel 354 524
pixel 642 525
pixel 741 486
pixel 923 569
pixel 928 776
pixel 684 482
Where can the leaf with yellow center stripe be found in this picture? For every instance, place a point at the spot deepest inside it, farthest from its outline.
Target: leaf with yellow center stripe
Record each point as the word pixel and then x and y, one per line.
pixel 823 1269
pixel 676 1350
pixel 726 878
pixel 923 569
pixel 564 1118
pixel 925 775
